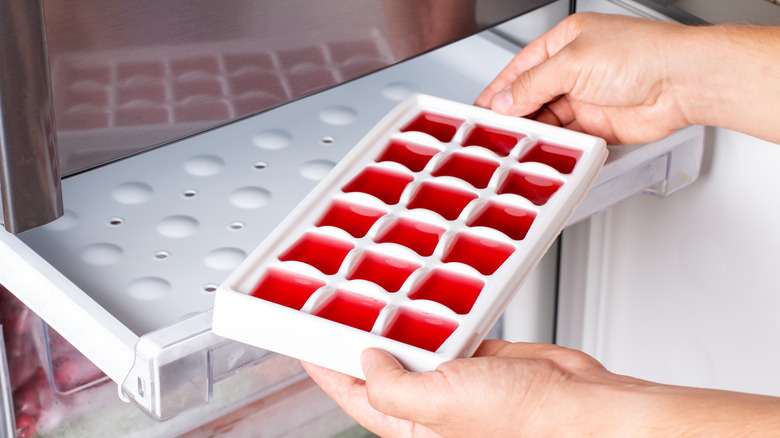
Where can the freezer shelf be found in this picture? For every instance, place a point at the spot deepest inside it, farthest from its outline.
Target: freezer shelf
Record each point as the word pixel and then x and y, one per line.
pixel 128 274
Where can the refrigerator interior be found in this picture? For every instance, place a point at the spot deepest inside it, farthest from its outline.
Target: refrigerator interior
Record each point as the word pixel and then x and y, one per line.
pixel 159 329
pixel 683 290
pixel 281 156
pixel 127 275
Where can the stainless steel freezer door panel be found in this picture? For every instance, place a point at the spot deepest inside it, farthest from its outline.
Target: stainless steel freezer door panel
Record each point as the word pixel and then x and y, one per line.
pixel 29 172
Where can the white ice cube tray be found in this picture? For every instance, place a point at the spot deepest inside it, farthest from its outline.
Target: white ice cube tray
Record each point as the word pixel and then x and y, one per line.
pixel 415 242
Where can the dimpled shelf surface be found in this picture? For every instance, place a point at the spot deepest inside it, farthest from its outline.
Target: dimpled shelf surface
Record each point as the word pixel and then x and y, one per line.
pixel 416 241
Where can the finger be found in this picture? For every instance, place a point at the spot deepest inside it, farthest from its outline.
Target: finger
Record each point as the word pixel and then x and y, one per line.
pixel 562 110
pixel 528 57
pixel 535 53
pixel 537 86
pixel 545 115
pixel 501 348
pixel 350 394
pixel 566 358
pixel 347 391
pixel 343 389
pixel 395 391
pixel 490 347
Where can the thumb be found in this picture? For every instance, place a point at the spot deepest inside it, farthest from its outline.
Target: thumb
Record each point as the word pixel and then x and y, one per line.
pixel 535 87
pixel 393 390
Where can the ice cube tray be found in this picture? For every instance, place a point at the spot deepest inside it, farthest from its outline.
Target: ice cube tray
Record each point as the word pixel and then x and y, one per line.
pixel 415 242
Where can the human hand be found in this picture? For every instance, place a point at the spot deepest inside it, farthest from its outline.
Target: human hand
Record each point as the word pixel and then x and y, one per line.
pixel 524 389
pixel 504 390
pixel 610 76
pixel 631 80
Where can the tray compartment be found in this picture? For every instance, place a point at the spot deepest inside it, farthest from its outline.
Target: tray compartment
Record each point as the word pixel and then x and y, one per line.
pixel 437 252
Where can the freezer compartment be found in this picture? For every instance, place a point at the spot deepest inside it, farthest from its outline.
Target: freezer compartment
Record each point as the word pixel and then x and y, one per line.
pixel 127 275
pixel 261 398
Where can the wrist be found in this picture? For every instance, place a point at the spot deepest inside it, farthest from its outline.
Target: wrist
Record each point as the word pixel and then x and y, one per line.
pixel 694 76
pixel 728 76
pixel 646 409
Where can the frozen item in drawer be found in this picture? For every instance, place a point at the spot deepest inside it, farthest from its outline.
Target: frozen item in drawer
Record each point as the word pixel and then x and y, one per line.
pixel 415 242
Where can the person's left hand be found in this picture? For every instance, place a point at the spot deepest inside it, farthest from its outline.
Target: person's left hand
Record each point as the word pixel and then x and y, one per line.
pixel 506 389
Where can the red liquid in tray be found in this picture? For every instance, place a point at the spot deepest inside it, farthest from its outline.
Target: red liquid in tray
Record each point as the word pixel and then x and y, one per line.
pixel 458 292
pixel 420 329
pixel 388 272
pixel 413 156
pixel 442 128
pixel 352 218
pixel 512 221
pixel 286 288
pixel 322 252
pixel 420 237
pixel 381 183
pixel 476 171
pixel 484 255
pixel 449 202
pixel 351 309
pixel 499 141
pixel 534 188
pixel 560 158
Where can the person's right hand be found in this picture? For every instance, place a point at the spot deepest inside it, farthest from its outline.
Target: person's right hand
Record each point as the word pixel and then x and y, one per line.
pixel 631 80
pixel 535 390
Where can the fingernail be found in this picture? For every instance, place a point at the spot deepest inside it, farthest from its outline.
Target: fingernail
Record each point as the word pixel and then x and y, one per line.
pixel 503 100
pixel 365 361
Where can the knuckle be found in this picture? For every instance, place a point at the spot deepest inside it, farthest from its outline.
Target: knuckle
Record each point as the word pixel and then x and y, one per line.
pixel 573 360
